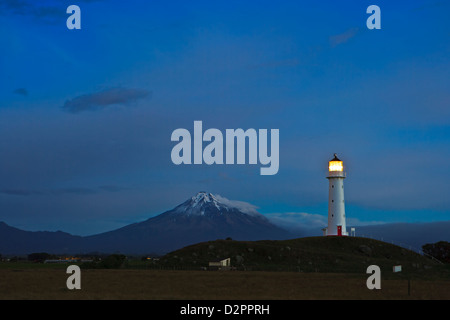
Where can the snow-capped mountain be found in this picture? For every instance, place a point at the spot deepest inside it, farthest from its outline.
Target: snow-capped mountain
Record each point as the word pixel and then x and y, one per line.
pixel 206 203
pixel 203 217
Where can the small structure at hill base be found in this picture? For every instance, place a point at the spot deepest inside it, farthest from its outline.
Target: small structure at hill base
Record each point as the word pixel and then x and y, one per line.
pixel 221 264
pixel 397 268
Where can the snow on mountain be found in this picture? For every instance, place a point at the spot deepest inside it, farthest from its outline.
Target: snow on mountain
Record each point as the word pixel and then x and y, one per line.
pixel 202 217
pixel 203 202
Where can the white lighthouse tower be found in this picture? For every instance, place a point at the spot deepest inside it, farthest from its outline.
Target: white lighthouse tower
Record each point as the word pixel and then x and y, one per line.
pixel 336 204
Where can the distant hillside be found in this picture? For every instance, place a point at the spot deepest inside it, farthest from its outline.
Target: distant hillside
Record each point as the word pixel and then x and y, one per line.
pixel 200 218
pixel 311 254
pixel 408 235
pixel 413 235
pixel 18 242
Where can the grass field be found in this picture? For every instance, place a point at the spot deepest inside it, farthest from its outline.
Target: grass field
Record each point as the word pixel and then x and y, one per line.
pixel 298 269
pixel 125 284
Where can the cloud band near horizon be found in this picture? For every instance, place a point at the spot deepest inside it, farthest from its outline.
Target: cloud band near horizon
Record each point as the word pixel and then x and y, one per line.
pixel 104 99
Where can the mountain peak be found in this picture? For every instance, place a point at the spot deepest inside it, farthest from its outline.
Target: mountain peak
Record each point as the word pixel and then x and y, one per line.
pixel 200 203
pixel 205 202
pixel 204 197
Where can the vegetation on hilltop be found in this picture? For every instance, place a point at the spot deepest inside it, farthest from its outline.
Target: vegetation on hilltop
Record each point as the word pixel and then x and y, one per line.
pixel 311 254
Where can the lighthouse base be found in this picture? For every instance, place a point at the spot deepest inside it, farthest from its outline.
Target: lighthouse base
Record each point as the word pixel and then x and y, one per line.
pixel 339 232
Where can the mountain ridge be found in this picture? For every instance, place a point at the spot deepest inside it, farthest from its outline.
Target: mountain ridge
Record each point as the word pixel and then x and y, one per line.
pixel 203 217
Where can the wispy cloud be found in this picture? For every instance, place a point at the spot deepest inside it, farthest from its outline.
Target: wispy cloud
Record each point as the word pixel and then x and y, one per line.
pixel 20 192
pixel 15 6
pixel 52 9
pixel 50 12
pixel 61 191
pixel 21 91
pixel 104 99
pixel 304 220
pixel 298 220
pixel 343 37
pixel 240 205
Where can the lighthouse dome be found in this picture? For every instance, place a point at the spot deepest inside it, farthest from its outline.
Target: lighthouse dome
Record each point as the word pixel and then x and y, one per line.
pixel 335 158
pixel 335 164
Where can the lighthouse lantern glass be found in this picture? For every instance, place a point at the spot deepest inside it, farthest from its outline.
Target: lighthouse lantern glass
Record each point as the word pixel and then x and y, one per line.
pixel 336 166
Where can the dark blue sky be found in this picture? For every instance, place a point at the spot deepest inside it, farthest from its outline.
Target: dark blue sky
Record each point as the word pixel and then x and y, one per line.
pixel 86 115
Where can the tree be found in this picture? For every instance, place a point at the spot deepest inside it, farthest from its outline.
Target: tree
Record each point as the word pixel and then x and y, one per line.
pixel 39 256
pixel 439 250
pixel 113 261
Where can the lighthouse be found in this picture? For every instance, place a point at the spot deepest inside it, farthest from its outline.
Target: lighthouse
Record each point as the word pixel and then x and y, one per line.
pixel 336 204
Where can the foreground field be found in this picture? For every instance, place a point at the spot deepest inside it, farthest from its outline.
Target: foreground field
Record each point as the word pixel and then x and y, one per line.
pixel 211 285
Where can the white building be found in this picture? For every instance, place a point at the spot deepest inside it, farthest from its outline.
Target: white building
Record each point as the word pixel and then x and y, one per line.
pixel 336 203
pixel 220 264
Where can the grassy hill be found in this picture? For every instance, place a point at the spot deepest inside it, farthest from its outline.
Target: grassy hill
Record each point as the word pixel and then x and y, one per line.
pixel 311 254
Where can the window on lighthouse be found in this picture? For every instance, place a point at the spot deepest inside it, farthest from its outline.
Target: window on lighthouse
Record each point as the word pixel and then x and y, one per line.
pixel 335 166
